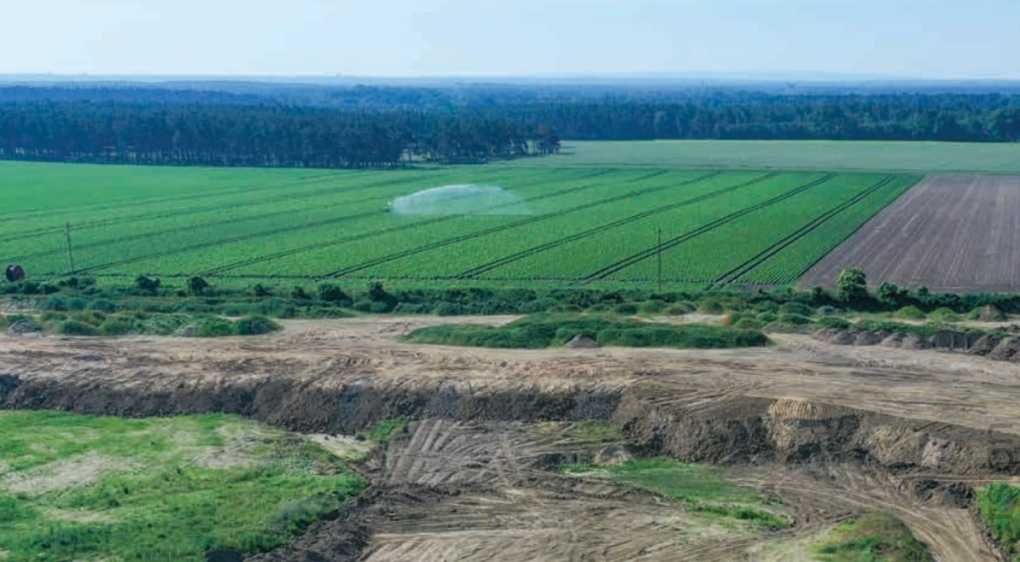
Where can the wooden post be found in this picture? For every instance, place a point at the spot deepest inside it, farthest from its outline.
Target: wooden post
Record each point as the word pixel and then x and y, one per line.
pixel 70 246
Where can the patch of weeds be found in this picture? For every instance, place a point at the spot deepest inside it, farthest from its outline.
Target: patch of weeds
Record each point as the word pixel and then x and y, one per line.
pixel 702 488
pixel 168 488
pixel 546 330
pixel 875 538
pixel 999 506
pixel 384 430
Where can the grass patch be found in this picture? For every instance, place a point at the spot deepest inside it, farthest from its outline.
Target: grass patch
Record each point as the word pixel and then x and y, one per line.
pixel 999 506
pixel 874 538
pixel 542 330
pixel 82 488
pixel 702 488
pixel 590 432
pixel 384 430
pixel 97 323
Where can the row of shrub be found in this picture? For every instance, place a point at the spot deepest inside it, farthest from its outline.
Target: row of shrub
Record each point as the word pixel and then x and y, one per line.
pixel 197 296
pixel 99 323
pixel 545 330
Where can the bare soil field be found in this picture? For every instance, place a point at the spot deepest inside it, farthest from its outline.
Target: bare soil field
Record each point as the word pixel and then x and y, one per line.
pixel 952 233
pixel 829 432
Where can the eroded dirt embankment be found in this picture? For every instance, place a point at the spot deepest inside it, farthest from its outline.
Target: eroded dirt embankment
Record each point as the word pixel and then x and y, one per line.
pixel 829 431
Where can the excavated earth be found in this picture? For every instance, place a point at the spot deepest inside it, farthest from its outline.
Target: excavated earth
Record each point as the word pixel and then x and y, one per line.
pixel 829 431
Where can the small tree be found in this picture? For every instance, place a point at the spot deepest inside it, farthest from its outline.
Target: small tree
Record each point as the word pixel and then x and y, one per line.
pixel 148 285
pixel 890 293
pixel 852 285
pixel 332 293
pixel 261 291
pixel 197 285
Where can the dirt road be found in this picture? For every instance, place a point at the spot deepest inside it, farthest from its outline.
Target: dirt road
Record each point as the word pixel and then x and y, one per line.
pixel 830 431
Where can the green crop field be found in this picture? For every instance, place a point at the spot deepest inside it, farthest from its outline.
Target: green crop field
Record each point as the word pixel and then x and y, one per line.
pixel 570 226
pixel 873 156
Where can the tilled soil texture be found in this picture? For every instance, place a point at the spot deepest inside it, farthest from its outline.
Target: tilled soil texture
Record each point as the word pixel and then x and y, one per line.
pixel 829 431
pixel 949 233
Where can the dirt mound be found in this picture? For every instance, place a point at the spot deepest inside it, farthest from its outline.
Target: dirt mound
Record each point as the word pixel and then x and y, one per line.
pixel 23 327
pixel 984 345
pixel 865 337
pixel 582 342
pixel 1006 349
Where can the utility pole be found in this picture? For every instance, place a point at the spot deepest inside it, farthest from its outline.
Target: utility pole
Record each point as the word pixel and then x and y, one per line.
pixel 70 246
pixel 659 253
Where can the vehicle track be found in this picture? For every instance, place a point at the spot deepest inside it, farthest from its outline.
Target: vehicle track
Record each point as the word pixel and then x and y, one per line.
pixel 676 241
pixel 763 256
pixel 484 268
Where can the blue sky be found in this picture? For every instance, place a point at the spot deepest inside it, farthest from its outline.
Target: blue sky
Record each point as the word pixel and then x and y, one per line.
pixel 902 38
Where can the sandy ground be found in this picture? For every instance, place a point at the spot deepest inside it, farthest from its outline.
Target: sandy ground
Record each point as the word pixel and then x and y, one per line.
pixel 462 489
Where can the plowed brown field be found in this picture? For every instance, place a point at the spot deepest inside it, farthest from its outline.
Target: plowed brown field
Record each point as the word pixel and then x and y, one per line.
pixel 949 233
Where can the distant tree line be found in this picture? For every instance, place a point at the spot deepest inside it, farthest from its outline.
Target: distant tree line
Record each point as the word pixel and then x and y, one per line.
pixel 258 135
pixel 252 124
pixel 957 117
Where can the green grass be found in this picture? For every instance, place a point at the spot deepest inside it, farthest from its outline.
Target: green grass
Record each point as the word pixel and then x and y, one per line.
pixel 910 157
pixel 874 538
pixel 87 488
pixel 593 225
pixel 999 506
pixel 702 488
pixel 546 330
pixel 384 430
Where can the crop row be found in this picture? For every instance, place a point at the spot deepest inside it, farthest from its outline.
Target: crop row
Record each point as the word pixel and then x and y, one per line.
pixel 216 254
pixel 710 256
pixel 581 258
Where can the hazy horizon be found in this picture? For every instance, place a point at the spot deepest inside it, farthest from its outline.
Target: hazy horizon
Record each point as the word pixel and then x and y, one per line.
pixel 750 39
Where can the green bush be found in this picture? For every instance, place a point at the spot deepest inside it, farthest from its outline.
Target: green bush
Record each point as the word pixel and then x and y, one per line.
pixel 793 320
pixel 542 331
pixel 944 315
pixel 116 327
pixel 164 324
pixel 538 305
pixel 76 328
pixel 448 309
pixel 711 306
pixel 626 308
pixel 834 322
pixel 827 311
pixel 103 305
pixel 909 313
pixel 767 306
pixel 796 308
pixel 214 328
pixel 651 307
pixel 93 317
pixel 748 324
pixel 768 317
pixel 255 326
pixel 679 309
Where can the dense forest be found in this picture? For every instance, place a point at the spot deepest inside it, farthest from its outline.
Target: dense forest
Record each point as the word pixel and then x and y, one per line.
pixel 259 124
pixel 244 135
